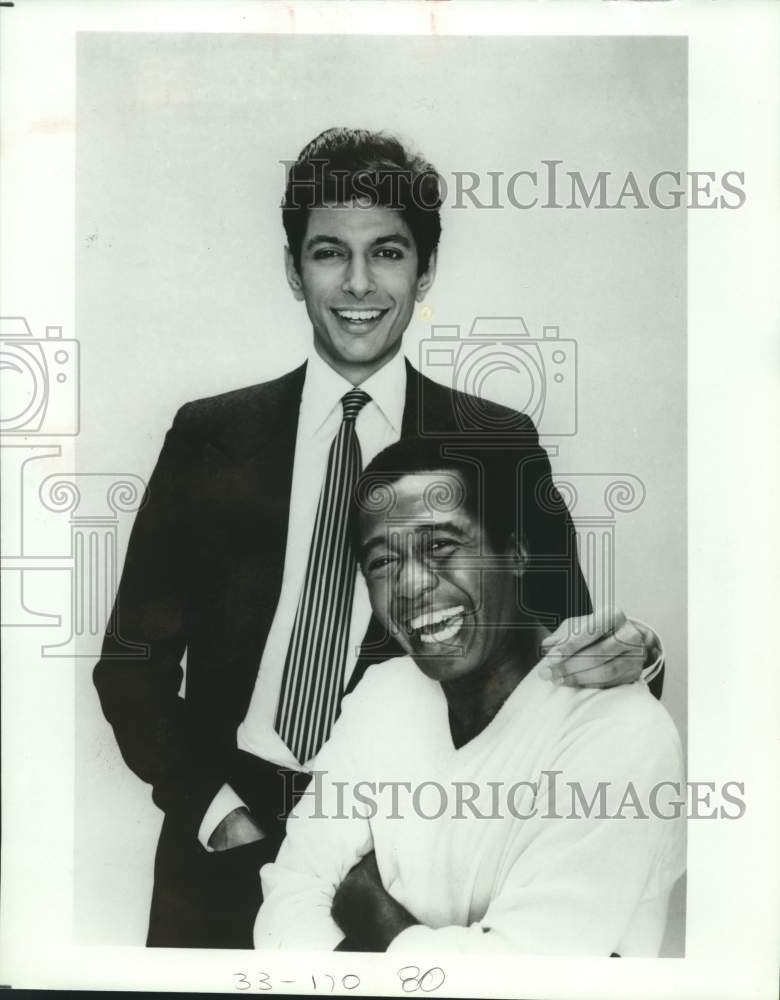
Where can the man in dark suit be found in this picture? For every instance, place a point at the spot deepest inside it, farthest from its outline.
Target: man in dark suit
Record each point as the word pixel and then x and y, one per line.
pixel 238 556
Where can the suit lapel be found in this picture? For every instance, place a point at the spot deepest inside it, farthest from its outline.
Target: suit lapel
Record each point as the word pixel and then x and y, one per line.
pixel 245 501
pixel 272 458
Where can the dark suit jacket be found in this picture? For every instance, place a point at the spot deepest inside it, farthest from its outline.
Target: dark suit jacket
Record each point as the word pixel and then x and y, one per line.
pixel 203 574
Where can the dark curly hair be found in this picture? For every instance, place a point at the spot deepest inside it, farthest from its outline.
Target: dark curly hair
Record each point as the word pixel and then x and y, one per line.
pixel 344 164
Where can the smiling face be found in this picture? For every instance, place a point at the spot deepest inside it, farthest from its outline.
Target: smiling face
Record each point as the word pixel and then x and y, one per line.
pixel 359 280
pixel 433 580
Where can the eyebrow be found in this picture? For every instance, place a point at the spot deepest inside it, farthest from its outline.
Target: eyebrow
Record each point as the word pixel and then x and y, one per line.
pixel 321 238
pixel 376 540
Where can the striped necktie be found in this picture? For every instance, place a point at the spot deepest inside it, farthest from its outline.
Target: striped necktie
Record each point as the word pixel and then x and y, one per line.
pixel 313 677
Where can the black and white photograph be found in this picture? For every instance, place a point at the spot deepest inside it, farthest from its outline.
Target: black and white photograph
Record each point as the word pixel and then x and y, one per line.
pixel 375 536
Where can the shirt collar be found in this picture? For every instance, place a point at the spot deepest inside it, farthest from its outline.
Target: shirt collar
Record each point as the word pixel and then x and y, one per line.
pixel 324 388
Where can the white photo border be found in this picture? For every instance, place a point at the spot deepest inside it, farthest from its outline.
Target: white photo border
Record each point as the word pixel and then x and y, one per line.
pixel 734 124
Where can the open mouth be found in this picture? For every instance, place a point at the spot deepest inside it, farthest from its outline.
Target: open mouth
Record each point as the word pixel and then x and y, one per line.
pixel 440 625
pixel 359 319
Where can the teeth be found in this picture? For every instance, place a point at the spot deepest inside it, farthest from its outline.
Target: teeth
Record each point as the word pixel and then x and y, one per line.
pixel 444 634
pixel 359 315
pixel 434 617
pixel 448 620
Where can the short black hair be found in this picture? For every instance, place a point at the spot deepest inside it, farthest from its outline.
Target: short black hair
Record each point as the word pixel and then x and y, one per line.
pixel 489 495
pixel 341 165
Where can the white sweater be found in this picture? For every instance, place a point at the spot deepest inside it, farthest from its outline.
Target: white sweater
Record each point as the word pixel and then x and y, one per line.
pixel 559 882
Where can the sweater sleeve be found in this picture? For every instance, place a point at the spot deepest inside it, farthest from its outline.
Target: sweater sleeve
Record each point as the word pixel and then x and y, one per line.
pixel 324 838
pixel 584 869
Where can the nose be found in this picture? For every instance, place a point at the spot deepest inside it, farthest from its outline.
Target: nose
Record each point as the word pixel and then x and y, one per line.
pixel 415 578
pixel 358 280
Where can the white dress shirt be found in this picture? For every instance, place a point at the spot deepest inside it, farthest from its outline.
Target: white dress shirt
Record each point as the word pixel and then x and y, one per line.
pixel 540 871
pixel 378 425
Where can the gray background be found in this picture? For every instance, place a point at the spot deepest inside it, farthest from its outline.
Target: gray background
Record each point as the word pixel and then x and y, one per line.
pixel 180 291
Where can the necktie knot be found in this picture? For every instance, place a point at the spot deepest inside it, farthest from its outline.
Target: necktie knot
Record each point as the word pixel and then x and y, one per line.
pixel 353 402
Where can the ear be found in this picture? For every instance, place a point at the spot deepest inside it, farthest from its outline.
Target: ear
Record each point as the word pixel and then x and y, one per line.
pixel 293 278
pixel 426 279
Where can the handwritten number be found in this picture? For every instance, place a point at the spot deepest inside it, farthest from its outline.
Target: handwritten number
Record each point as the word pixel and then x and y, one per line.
pixel 436 979
pixel 407 980
pixel 412 980
pixel 349 975
pixel 264 984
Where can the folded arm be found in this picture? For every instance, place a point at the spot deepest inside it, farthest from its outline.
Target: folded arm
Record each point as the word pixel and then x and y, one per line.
pixel 366 912
pixel 324 841
pixel 579 881
pixel 580 871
